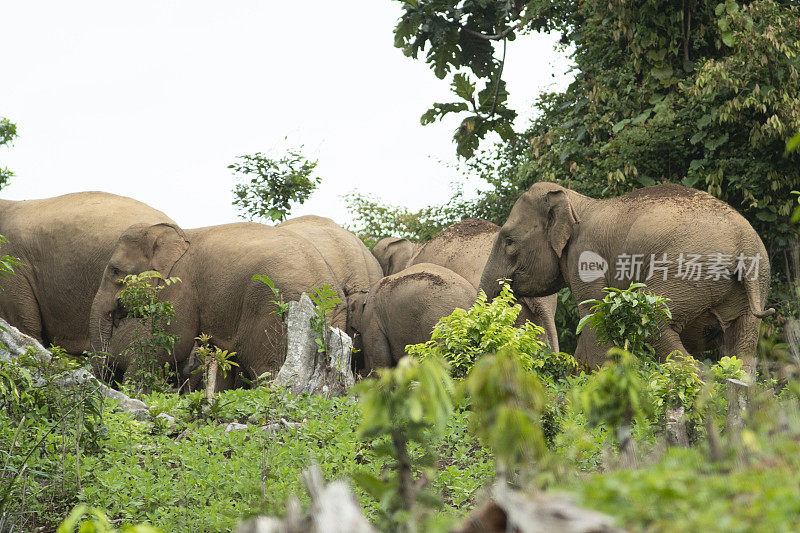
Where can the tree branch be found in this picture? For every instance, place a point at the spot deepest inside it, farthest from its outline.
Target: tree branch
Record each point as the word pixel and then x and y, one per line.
pixel 499 77
pixel 502 35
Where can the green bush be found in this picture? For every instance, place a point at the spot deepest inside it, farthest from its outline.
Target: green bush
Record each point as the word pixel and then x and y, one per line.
pixel 140 297
pixel 627 318
pixel 677 383
pixel 465 335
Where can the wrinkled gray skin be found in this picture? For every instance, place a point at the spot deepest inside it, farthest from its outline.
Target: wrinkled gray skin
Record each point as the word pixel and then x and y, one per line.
pixel 216 295
pixel 65 243
pixel 464 248
pixel 403 308
pixel 394 254
pixel 550 226
pixel 353 266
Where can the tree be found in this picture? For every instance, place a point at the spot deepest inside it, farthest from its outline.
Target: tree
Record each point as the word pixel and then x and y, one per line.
pixel 697 92
pixel 8 132
pixel 268 187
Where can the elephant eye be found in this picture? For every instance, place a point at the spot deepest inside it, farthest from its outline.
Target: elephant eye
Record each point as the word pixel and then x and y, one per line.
pixel 509 241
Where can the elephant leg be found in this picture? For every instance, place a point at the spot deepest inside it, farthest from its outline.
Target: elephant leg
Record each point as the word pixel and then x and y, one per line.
pixel 377 351
pixel 741 339
pixel 589 351
pixel 668 341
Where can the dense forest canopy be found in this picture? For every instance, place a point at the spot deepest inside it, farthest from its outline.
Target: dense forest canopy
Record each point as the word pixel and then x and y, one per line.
pixel 702 93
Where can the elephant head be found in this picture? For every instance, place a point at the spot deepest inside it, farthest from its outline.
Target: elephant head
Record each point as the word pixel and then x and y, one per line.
pixel 140 248
pixel 530 245
pixel 394 254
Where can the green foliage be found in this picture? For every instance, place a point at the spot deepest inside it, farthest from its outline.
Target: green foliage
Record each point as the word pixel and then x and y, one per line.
pixel 627 318
pixel 554 366
pixel 406 405
pixel 268 186
pixel 7 263
pixel 701 93
pixel 325 299
pixel 374 220
pixel 615 395
pixel 281 307
pixel 8 132
pixel 728 368
pixel 213 358
pixel 140 297
pixel 46 430
pixel 465 335
pixel 677 383
pixel 507 404
pixel 92 520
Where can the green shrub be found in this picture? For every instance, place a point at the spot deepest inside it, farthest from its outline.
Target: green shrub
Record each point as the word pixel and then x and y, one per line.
pixel 140 297
pixel 677 383
pixel 403 407
pixel 507 402
pixel 465 335
pixel 616 395
pixel 627 318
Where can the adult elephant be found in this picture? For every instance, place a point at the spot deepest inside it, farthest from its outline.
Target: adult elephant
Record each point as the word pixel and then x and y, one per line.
pixel 683 243
pixel 216 295
pixel 351 262
pixel 64 243
pixel 464 248
pixel 403 308
pixel 394 254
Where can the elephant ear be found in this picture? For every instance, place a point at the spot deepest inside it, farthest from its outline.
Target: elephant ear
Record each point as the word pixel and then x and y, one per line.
pixel 561 220
pixel 168 243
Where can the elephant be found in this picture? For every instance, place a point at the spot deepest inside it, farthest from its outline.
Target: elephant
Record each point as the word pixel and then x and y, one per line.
pixel 662 235
pixel 354 267
pixel 216 296
pixel 464 248
pixel 64 243
pixel 394 254
pixel 403 308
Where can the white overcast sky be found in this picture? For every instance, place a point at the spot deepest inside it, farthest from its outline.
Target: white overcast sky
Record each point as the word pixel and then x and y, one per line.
pixel 153 99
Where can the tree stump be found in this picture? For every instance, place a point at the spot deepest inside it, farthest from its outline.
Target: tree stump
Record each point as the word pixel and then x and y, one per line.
pixel 676 427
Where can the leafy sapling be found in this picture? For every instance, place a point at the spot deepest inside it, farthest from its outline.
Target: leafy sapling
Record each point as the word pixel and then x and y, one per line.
pixel 140 297
pixel 507 406
pixel 615 396
pixel 403 410
pixel 627 318
pixel 214 360
pixel 281 307
pixel 325 299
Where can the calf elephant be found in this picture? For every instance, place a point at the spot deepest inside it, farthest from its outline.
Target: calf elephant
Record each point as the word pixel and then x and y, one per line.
pixel 403 308
pixel 64 243
pixel 216 295
pixel 351 263
pixel 464 248
pixel 683 243
pixel 394 254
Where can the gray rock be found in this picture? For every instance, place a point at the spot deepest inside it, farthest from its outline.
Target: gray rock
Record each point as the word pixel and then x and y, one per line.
pixel 169 419
pixel 234 426
pixel 17 343
pixel 305 368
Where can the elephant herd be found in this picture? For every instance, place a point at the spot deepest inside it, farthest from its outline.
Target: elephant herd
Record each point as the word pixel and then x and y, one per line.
pixel 684 244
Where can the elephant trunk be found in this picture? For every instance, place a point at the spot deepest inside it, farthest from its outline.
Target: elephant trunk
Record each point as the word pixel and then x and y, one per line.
pixel 493 272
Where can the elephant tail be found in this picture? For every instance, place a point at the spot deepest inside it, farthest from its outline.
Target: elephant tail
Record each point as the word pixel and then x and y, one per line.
pixel 754 299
